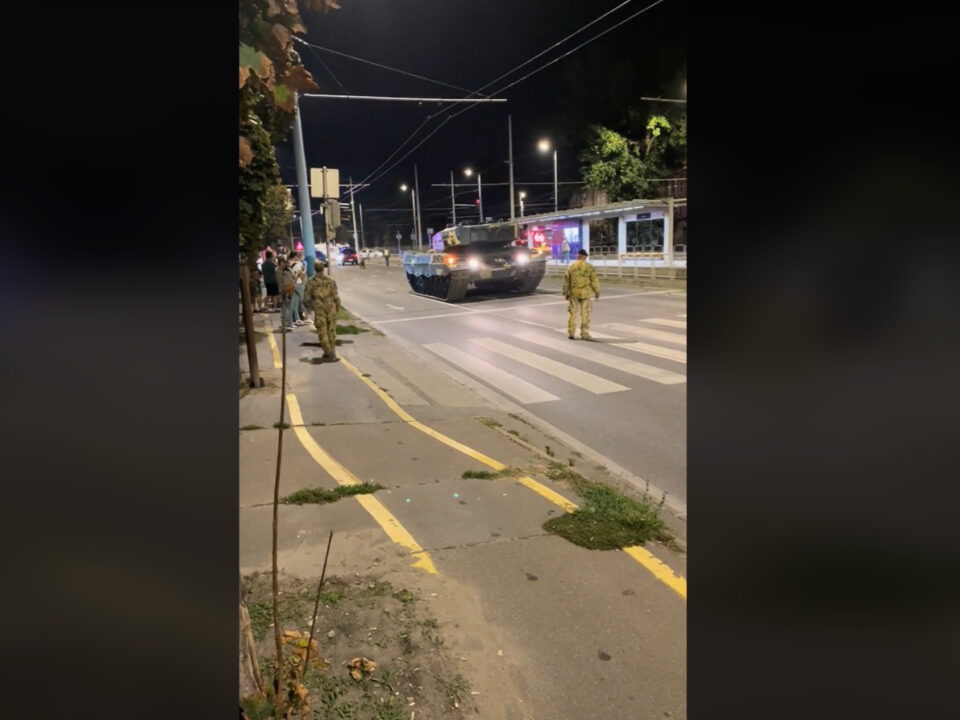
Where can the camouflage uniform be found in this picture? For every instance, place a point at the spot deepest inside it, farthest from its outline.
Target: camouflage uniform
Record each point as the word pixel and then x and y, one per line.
pixel 579 283
pixel 320 294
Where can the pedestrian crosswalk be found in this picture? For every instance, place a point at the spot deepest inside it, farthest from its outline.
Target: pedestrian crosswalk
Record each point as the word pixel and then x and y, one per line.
pixel 537 365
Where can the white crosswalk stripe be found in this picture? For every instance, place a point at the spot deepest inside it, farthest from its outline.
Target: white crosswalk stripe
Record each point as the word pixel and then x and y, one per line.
pixel 586 352
pixel 522 390
pixel 567 373
pixel 640 347
pixel 646 332
pixel 666 323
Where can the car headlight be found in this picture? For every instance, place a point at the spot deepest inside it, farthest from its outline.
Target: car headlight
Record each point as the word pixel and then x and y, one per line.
pixel 522 259
pixel 473 263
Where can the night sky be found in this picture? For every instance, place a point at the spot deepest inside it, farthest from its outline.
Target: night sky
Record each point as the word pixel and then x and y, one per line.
pixel 469 43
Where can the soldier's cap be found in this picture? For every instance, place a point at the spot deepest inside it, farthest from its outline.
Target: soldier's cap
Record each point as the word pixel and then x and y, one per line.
pixel 583 252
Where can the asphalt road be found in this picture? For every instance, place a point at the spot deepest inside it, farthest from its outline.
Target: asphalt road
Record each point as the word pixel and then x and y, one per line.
pixel 622 394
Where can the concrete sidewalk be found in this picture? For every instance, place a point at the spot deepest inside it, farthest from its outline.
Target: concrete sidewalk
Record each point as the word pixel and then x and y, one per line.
pixel 546 629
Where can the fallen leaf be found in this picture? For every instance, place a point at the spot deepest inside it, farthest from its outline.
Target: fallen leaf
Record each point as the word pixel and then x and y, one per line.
pixel 292 633
pixel 244 74
pixel 356 674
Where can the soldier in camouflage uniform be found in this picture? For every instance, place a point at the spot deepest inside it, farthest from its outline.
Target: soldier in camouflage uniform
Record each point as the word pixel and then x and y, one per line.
pixel 320 294
pixel 579 283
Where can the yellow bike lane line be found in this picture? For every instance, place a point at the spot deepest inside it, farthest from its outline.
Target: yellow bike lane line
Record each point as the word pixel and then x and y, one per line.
pixel 660 570
pixel 384 518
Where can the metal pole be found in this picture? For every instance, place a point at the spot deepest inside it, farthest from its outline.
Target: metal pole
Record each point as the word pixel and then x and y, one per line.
pixel 521 207
pixel 453 200
pixel 363 238
pixel 327 220
pixel 510 143
pixel 413 205
pixel 555 198
pixel 306 220
pixel 353 218
pixel 416 186
pixel 480 197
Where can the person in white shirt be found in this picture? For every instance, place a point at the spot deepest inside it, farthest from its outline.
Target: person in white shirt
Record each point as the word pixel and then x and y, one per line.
pixel 300 276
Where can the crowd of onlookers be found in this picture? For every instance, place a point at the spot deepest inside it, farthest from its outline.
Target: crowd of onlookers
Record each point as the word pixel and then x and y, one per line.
pixel 278 281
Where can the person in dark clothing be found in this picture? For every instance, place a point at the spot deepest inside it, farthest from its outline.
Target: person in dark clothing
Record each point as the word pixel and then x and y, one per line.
pixel 269 269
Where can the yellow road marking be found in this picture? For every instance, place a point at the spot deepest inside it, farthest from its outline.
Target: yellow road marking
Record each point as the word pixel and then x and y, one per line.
pixel 660 570
pixel 277 363
pixel 657 567
pixel 391 526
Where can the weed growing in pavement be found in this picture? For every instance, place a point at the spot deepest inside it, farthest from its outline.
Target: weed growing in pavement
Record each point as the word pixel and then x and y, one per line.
pixel 490 474
pixel 571 462
pixel 317 496
pixel 285 425
pixel 490 422
pixel 252 427
pixel 350 330
pixel 549 451
pixel 608 519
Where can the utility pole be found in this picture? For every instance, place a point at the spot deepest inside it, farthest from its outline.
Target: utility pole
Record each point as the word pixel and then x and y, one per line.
pixel 306 220
pixel 353 218
pixel 453 200
pixel 480 197
pixel 556 199
pixel 416 184
pixel 510 142
pixel 326 220
pixel 363 238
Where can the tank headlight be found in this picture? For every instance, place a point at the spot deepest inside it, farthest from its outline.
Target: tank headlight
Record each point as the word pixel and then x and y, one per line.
pixel 522 258
pixel 473 263
pixel 450 260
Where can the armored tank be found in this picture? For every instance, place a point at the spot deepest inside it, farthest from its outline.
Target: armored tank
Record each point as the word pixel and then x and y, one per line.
pixel 485 257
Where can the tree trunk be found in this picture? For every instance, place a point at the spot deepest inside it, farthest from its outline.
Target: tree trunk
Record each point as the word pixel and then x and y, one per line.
pixel 251 683
pixel 248 331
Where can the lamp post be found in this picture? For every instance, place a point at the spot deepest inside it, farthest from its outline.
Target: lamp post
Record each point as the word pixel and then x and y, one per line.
pixel 468 172
pixel 522 196
pixel 413 203
pixel 544 146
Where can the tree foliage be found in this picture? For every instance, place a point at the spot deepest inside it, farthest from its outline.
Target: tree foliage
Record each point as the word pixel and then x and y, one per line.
pixel 623 168
pixel 270 75
pixel 278 213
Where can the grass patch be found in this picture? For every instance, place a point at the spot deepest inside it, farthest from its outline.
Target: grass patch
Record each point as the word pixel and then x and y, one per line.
pixel 454 690
pixel 331 597
pixel 252 427
pixel 608 520
pixel 279 425
pixel 344 314
pixel 350 330
pixel 316 496
pixel 490 422
pixel 405 596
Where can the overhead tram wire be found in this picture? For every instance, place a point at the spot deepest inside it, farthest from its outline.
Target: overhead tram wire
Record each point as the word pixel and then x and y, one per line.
pixel 370 179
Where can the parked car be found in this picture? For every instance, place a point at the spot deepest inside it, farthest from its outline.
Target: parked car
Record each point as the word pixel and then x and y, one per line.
pixel 348 256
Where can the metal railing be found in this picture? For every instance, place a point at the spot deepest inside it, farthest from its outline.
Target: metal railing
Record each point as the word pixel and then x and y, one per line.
pixel 630 266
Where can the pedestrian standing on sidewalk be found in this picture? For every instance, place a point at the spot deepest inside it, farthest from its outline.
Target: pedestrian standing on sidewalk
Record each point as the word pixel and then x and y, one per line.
pixel 269 268
pixel 565 251
pixel 386 256
pixel 299 278
pixel 288 287
pixel 320 295
pixel 579 283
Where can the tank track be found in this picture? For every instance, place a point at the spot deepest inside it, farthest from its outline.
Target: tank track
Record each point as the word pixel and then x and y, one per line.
pixel 449 288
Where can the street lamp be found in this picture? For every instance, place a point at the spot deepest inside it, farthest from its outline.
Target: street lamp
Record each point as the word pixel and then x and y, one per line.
pixel 468 172
pixel 413 201
pixel 544 146
pixel 522 196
